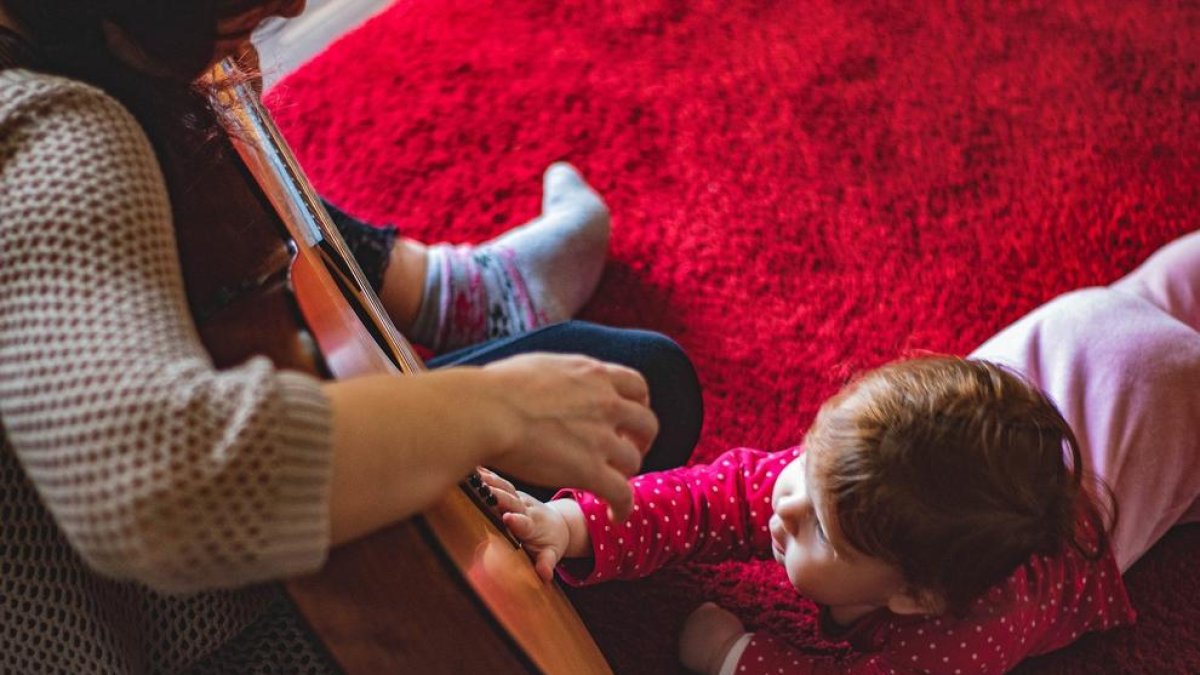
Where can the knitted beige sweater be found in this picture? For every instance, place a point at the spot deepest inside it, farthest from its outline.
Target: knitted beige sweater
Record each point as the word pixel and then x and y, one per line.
pixel 144 496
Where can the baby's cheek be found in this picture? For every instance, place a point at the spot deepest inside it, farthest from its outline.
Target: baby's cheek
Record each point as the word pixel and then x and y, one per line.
pixel 800 570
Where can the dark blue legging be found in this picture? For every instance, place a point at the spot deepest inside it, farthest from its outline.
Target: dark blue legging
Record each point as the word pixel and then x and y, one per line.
pixel 674 389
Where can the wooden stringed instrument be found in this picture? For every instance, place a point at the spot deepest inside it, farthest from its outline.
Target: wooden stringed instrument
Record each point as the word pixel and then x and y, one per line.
pixel 267 272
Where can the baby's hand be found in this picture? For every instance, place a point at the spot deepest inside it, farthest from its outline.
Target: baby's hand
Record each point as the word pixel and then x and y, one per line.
pixel 542 530
pixel 708 635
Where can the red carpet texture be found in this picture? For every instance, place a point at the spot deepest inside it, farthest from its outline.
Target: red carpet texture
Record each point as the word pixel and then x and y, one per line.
pixel 801 189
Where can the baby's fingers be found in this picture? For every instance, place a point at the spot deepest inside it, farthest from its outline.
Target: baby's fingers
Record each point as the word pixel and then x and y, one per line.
pixel 522 527
pixel 519 524
pixel 495 481
pixel 507 502
pixel 508 499
pixel 544 564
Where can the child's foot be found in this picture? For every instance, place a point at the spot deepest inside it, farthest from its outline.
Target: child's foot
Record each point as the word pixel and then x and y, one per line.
pixel 533 275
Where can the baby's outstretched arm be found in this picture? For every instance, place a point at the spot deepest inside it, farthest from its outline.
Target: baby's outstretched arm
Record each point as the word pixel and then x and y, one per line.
pixel 549 532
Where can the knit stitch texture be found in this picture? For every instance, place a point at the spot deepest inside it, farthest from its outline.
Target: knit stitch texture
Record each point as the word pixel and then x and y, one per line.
pixel 143 495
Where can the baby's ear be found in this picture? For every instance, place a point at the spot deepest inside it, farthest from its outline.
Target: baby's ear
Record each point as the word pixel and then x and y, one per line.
pixel 916 601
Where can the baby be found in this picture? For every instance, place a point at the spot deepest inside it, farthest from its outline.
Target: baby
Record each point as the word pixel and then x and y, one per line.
pixel 942 512
pixel 937 512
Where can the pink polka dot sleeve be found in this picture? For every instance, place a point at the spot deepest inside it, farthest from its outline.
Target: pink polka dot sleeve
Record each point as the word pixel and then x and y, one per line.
pixel 711 512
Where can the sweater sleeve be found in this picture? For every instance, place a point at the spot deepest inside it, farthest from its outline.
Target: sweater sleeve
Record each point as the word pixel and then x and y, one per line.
pixel 703 513
pixel 156 467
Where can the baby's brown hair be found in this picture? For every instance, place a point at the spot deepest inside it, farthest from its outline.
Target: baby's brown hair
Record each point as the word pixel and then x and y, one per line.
pixel 956 471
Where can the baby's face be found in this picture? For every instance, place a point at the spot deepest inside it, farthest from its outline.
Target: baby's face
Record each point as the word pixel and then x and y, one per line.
pixel 819 562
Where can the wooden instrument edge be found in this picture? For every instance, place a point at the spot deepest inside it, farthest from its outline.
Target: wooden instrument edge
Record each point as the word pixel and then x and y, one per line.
pixel 498 600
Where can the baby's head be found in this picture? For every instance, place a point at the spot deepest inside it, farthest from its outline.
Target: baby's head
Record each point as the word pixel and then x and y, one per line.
pixel 949 472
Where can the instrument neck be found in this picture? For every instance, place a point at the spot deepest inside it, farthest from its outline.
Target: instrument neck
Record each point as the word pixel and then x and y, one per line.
pixel 273 166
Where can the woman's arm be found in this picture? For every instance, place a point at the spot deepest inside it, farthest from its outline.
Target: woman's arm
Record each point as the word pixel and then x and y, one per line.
pixel 159 468
pixel 547 419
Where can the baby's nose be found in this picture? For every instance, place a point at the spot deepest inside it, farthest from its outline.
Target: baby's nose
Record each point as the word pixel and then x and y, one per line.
pixel 791 509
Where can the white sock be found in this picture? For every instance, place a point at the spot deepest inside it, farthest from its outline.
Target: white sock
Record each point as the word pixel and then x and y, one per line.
pixel 536 274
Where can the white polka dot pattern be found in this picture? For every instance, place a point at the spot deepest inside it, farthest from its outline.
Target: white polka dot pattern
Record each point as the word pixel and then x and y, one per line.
pixel 128 462
pixel 709 512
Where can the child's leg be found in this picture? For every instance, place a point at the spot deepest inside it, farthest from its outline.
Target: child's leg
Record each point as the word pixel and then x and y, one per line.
pixel 1170 279
pixel 1124 373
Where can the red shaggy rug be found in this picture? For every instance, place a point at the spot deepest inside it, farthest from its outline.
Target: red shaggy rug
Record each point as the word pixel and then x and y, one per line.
pixel 801 189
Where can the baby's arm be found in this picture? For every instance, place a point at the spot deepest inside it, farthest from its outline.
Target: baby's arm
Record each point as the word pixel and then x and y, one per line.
pixel 710 638
pixel 549 531
pixel 708 513
pixel 714 642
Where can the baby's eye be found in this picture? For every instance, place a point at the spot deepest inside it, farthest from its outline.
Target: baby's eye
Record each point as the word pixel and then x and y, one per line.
pixel 819 530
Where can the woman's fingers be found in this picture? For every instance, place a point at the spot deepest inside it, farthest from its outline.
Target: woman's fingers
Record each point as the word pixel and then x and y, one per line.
pixel 578 422
pixel 638 424
pixel 612 486
pixel 629 383
pixel 624 456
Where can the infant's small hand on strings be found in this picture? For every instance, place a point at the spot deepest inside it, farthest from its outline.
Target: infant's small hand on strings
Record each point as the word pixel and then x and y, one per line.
pixel 708 634
pixel 542 531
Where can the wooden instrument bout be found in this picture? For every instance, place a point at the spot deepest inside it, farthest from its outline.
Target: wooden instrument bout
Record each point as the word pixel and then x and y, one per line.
pixel 444 592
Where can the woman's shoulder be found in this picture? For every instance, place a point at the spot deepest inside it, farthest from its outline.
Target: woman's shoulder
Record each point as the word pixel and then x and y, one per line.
pixel 45 113
pixel 24 93
pixel 72 157
pixel 61 138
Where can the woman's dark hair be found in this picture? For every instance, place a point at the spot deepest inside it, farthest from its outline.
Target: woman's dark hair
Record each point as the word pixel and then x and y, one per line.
pixel 955 471
pixel 177 37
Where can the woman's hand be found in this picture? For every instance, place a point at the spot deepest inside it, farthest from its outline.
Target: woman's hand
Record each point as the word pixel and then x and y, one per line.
pixel 575 421
pixel 708 635
pixel 401 441
pixel 542 529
